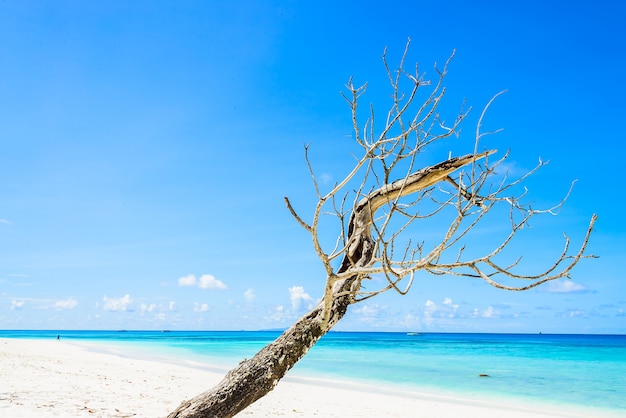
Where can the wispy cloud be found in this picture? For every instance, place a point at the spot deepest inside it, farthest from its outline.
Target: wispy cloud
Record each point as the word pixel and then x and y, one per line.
pixel 5 221
pixel 206 281
pixel 566 286
pixel 368 311
pixel 144 307
pixel 17 304
pixel 249 295
pixel 432 310
pixel 117 304
pixel 574 313
pixel 325 178
pixel 490 312
pixel 69 303
pixel 200 307
pixel 277 314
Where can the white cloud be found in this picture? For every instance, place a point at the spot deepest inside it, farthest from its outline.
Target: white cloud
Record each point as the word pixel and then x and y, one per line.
pixel 277 315
pixel 249 295
pixel 5 221
pixel 378 316
pixel 511 169
pixel 573 313
pixel 297 296
pixel 197 307
pixel 117 304
pixel 411 321
pixel 367 310
pixel 208 281
pixel 448 309
pixel 325 178
pixel 452 308
pixel 172 305
pixel 490 312
pixel 17 304
pixel 189 280
pixel 68 303
pixel 565 286
pixel 147 308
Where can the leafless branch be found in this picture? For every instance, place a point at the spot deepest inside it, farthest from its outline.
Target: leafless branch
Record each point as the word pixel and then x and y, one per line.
pixel 377 228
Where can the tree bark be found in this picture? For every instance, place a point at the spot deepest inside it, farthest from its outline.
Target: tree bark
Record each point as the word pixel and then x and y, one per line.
pixel 254 378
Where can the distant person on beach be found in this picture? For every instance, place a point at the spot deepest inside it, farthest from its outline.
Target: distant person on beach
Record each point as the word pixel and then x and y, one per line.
pixel 58 337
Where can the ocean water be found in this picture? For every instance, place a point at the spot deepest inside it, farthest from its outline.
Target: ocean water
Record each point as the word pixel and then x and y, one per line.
pixel 555 370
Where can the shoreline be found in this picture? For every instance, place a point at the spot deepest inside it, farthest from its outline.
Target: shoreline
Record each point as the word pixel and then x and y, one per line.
pixel 48 378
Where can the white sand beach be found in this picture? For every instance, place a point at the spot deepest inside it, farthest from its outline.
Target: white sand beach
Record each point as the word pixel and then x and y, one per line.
pixel 43 378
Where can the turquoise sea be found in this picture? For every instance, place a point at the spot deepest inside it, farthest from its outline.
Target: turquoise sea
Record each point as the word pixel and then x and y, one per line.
pixel 556 370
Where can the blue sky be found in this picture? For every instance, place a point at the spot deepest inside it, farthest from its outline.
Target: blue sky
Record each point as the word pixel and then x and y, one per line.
pixel 146 148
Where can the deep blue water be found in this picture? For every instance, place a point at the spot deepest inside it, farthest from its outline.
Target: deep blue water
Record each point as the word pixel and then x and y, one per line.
pixel 586 370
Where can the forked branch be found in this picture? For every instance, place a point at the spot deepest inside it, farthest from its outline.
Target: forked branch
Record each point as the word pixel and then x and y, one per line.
pixel 384 212
pixel 380 231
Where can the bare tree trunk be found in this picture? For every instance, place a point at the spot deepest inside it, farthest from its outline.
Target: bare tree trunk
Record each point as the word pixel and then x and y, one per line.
pixel 373 246
pixel 254 378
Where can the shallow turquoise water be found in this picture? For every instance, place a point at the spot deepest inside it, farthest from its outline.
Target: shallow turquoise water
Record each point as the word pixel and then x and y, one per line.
pixel 568 370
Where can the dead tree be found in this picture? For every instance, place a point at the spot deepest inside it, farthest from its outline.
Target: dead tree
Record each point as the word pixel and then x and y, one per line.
pixel 376 215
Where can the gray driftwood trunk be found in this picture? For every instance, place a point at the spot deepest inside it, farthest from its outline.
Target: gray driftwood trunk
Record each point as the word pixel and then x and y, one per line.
pixel 254 378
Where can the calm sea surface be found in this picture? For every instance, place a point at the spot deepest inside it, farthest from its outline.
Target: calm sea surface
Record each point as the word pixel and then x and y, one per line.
pixel 567 370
